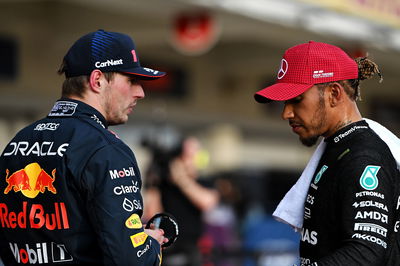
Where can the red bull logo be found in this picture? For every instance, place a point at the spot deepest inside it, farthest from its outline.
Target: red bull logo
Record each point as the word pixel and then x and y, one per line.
pixel 35 216
pixel 30 181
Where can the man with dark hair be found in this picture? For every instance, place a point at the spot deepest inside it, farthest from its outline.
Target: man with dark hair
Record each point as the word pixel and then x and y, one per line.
pixel 70 188
pixel 347 201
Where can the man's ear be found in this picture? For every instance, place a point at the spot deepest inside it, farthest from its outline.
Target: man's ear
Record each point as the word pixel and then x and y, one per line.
pixel 95 80
pixel 336 94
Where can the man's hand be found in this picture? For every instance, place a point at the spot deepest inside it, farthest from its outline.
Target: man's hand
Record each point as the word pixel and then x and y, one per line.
pixel 157 234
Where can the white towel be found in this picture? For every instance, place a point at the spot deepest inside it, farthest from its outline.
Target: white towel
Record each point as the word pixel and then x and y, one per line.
pixel 291 208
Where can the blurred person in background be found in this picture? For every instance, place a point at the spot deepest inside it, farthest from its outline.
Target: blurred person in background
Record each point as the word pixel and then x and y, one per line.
pixel 222 227
pixel 173 185
pixel 70 188
pixel 347 201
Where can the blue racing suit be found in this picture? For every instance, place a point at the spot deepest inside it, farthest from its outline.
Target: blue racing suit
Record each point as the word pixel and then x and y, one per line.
pixel 70 194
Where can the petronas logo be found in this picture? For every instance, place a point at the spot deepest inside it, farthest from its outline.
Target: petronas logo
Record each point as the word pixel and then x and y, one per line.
pixel 319 175
pixel 368 179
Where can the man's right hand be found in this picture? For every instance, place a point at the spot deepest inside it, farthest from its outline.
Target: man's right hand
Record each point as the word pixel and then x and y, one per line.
pixel 157 234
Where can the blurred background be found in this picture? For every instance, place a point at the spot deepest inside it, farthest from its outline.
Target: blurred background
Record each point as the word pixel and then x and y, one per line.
pixel 217 54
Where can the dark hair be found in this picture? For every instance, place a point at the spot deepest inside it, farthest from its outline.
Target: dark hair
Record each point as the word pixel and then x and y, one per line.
pixel 77 85
pixel 366 70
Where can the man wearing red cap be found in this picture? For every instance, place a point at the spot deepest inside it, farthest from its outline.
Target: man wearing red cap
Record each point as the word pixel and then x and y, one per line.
pixel 347 201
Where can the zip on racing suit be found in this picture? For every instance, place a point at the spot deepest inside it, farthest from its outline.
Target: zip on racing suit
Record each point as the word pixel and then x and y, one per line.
pixel 351 214
pixel 70 194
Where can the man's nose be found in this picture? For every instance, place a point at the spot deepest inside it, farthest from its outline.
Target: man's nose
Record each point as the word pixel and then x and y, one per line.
pixel 139 92
pixel 287 112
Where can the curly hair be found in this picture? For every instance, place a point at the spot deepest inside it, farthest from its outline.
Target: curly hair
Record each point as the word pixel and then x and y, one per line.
pixel 366 70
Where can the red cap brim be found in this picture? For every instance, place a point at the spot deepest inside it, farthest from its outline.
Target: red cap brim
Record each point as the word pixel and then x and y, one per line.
pixel 281 92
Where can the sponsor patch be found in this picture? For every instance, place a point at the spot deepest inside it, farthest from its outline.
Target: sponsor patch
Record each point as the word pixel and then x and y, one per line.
pixel 138 239
pixel 307 213
pixel 35 216
pixel 121 173
pixel 63 108
pixel 283 69
pixel 321 74
pixel 146 248
pixel 370 194
pixel 370 203
pixel 30 181
pixel 370 238
pixel 134 222
pixel 372 215
pixel 309 236
pixel 368 179
pixel 130 205
pixel 45 148
pixel 319 175
pixel 155 72
pixel 47 126
pixel 348 132
pixel 122 189
pixel 40 253
pixel 368 227
pixel 310 199
pixel 108 63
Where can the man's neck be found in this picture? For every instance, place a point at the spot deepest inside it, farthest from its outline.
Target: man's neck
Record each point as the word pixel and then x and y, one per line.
pixel 344 117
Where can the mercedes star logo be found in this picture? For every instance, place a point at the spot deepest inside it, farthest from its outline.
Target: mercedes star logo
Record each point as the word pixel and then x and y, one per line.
pixel 283 69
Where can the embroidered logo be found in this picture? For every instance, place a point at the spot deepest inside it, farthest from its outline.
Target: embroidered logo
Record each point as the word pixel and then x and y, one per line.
pixel 319 175
pixel 368 179
pixel 283 69
pixel 321 74
pixel 133 222
pixel 63 108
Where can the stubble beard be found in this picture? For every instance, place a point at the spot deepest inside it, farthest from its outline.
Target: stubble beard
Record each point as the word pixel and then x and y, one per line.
pixel 318 121
pixel 117 119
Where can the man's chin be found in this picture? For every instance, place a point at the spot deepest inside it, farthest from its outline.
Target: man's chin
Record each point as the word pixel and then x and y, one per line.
pixel 309 142
pixel 119 121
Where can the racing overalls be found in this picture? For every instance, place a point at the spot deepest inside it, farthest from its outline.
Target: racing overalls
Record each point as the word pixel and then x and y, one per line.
pixel 70 193
pixel 351 214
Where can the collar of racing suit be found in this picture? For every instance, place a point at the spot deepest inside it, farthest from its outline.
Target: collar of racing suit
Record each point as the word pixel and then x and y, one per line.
pixel 347 132
pixel 65 107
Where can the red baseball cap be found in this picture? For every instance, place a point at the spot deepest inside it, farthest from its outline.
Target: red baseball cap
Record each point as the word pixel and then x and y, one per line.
pixel 305 65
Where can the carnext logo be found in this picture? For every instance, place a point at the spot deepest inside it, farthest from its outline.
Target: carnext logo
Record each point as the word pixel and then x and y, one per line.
pixel 109 62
